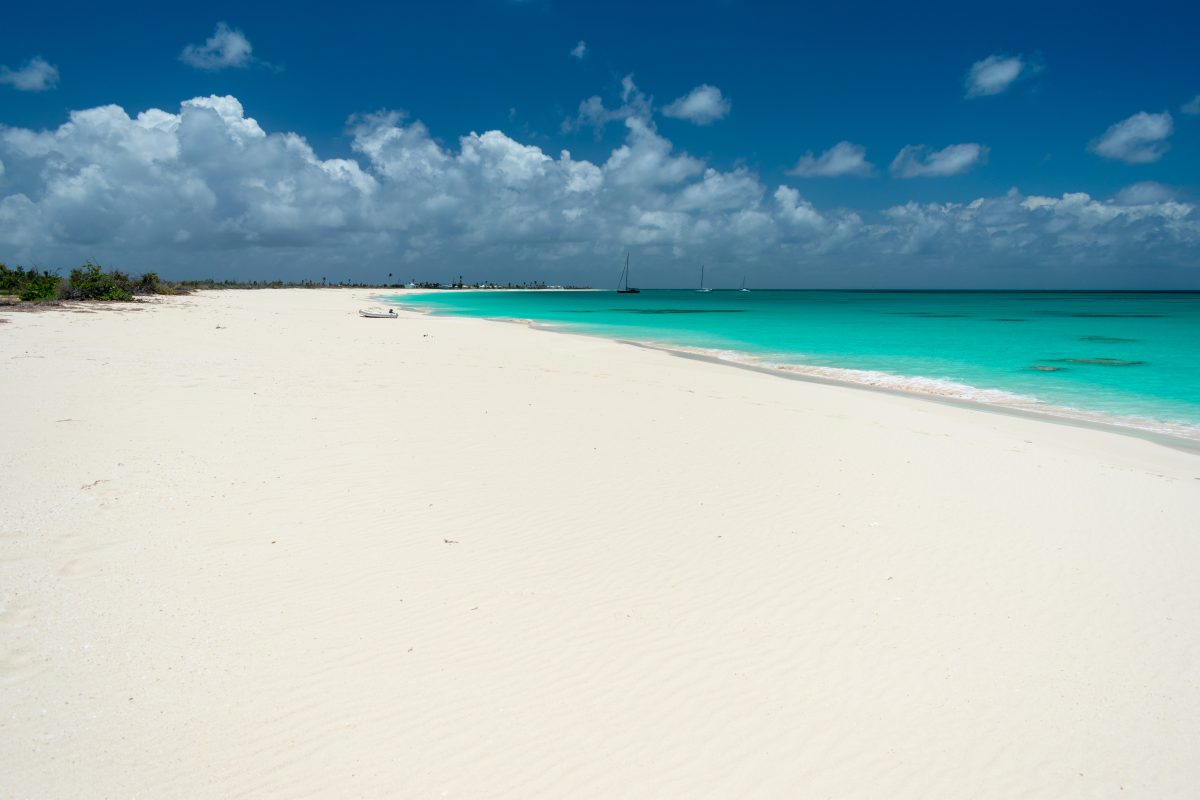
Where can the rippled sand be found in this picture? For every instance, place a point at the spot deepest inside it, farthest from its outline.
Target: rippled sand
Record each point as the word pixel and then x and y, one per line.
pixel 252 544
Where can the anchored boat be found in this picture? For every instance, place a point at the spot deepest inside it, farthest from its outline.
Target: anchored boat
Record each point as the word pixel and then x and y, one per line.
pixel 625 279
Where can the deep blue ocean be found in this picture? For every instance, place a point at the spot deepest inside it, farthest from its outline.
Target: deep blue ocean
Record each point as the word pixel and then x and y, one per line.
pixel 1125 355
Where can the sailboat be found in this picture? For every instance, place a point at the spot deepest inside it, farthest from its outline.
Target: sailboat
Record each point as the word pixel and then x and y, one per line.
pixel 625 278
pixel 744 289
pixel 702 287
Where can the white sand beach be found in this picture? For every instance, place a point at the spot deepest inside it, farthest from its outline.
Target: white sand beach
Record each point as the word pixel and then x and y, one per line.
pixel 253 545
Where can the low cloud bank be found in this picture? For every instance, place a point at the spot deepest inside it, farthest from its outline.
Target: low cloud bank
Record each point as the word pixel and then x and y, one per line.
pixel 206 191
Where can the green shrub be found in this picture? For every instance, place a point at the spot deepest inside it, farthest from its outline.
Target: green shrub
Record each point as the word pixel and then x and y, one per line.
pixel 11 280
pixel 89 282
pixel 28 284
pixel 147 284
pixel 40 287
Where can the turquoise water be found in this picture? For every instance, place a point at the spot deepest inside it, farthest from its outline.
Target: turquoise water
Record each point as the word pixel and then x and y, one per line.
pixel 1118 354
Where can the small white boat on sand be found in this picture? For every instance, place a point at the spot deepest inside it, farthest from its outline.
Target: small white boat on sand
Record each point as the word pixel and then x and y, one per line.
pixel 378 313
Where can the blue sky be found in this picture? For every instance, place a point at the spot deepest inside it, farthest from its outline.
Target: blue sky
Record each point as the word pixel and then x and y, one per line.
pixel 1070 99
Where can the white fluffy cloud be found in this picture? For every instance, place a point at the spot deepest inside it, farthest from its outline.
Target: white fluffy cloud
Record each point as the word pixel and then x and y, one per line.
pixel 995 74
pixel 35 75
pixel 579 50
pixel 844 158
pixel 1140 139
pixel 227 47
pixel 916 161
pixel 1054 232
pixel 205 190
pixel 594 114
pixel 703 105
pixel 1192 106
pixel 1145 193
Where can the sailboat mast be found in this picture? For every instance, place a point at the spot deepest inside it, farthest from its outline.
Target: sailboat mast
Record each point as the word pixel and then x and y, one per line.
pixel 626 289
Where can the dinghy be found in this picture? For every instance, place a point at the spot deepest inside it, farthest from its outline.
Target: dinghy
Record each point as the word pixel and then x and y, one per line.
pixel 377 313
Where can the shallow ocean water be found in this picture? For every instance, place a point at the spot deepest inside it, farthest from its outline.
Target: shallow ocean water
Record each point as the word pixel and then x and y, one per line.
pixel 1126 355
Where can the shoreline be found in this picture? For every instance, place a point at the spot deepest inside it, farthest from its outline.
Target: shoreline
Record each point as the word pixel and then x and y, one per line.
pixel 1179 436
pixel 1187 440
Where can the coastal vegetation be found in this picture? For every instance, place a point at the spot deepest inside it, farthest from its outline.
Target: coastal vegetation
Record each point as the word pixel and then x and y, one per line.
pixel 88 282
pixel 92 282
pixel 28 284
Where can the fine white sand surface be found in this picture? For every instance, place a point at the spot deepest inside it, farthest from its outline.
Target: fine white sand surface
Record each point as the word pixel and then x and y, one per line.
pixel 253 545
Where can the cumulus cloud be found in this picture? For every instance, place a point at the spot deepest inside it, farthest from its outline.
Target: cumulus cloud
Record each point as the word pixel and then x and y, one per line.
pixel 703 105
pixel 594 114
pixel 227 47
pixel 1192 106
pixel 1074 228
pixel 1140 139
pixel 579 50
pixel 916 161
pixel 646 159
pixel 995 74
pixel 183 190
pixel 843 158
pixel 35 75
pixel 1145 193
